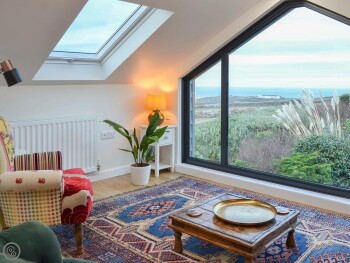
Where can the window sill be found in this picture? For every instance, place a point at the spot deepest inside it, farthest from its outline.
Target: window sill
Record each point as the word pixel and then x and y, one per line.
pixel 322 201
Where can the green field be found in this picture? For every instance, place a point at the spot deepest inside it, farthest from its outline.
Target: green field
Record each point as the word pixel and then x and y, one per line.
pixel 258 141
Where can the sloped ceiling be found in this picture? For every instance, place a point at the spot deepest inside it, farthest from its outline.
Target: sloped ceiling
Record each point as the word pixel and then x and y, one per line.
pixel 30 30
pixel 193 23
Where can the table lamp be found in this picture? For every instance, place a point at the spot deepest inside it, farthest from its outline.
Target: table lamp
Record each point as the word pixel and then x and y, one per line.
pixel 156 103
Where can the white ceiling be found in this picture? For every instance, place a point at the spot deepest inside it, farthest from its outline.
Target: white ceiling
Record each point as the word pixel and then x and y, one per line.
pixel 30 30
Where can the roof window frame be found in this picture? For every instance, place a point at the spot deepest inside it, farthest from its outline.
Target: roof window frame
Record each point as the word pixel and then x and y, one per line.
pixel 117 37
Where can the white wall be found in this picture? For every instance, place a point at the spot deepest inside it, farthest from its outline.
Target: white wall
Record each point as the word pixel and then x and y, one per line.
pixel 124 104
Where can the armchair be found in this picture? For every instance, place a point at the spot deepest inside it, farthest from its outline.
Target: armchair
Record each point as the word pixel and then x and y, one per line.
pixel 34 187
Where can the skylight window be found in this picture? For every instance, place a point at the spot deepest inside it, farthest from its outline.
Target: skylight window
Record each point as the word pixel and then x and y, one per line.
pixel 99 25
pixel 104 35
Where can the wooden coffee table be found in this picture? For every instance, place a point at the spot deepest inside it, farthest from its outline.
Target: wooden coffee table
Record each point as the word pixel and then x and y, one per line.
pixel 242 240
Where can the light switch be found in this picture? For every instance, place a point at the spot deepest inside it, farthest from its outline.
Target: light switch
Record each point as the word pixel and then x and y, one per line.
pixel 106 135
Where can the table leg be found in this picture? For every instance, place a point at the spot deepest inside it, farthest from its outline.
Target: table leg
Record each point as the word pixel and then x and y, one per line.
pixel 178 242
pixel 249 259
pixel 290 239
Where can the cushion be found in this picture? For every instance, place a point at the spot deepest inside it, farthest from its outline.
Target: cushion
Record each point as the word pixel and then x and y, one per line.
pixel 77 196
pixel 74 171
pixel 39 161
pixel 22 181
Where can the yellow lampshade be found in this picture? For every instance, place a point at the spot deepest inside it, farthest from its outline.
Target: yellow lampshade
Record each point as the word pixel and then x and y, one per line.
pixel 156 102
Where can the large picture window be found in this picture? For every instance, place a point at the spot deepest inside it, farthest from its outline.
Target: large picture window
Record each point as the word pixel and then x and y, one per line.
pixel 275 104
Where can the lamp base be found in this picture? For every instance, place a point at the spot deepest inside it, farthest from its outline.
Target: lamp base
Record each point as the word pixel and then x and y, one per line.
pixel 161 116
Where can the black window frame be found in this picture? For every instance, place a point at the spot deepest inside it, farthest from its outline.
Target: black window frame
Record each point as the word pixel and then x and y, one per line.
pixel 223 56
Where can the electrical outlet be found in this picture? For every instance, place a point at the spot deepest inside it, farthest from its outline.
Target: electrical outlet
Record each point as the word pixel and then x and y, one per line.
pixel 106 135
pixel 98 165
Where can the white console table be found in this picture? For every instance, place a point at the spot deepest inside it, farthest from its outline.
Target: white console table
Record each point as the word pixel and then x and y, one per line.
pixel 164 150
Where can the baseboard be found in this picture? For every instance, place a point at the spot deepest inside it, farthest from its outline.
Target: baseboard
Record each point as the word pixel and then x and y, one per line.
pixel 323 201
pixel 105 174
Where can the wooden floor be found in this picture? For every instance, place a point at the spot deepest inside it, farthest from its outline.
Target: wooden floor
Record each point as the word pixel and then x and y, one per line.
pixel 121 184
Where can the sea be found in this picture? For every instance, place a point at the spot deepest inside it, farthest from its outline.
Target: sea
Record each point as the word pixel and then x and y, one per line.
pixel 254 92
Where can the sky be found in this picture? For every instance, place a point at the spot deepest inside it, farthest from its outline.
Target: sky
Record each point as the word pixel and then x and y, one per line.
pixel 94 25
pixel 303 49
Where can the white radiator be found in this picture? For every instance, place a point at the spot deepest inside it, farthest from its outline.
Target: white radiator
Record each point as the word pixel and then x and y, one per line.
pixel 74 137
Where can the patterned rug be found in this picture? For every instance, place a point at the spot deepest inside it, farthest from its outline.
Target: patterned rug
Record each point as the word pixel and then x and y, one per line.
pixel 132 227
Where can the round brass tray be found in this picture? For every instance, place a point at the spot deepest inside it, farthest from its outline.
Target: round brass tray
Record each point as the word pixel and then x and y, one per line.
pixel 245 212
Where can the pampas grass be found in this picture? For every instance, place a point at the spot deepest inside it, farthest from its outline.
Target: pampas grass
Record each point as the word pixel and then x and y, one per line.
pixel 313 123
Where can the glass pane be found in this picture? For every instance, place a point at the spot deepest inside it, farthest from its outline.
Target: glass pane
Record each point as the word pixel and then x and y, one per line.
pixel 95 25
pixel 289 100
pixel 205 127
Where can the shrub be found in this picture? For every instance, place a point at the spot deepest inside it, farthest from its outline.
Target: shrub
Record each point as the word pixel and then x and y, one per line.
pixel 332 150
pixel 344 111
pixel 241 125
pixel 248 124
pixel 344 98
pixel 346 128
pixel 260 151
pixel 208 140
pixel 345 108
pixel 305 167
pixel 244 164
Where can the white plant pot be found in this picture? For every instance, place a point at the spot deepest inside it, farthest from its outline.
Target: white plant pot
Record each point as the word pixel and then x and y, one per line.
pixel 140 175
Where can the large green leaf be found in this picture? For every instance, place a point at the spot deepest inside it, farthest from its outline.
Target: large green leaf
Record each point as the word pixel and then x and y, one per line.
pixel 149 154
pixel 159 132
pixel 153 124
pixel 135 153
pixel 152 139
pixel 135 139
pixel 126 150
pixel 120 129
pixel 144 144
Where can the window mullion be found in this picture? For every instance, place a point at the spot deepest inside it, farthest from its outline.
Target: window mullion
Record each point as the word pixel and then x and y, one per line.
pixel 224 108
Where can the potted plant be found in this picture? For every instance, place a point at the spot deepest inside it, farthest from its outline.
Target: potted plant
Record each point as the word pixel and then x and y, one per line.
pixel 142 151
